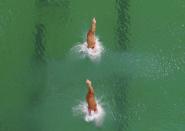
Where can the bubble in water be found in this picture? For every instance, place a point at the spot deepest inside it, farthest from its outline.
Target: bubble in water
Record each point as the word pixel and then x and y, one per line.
pixel 94 54
pixel 97 117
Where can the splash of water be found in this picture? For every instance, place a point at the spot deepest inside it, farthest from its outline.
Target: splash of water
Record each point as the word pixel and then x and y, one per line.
pixel 93 54
pixel 96 117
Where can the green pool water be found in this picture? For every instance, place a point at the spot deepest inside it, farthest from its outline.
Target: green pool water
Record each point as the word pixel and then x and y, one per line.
pixel 140 78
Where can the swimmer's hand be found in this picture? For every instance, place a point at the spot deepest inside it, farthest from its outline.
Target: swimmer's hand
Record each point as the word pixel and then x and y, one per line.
pixel 94 20
pixel 88 82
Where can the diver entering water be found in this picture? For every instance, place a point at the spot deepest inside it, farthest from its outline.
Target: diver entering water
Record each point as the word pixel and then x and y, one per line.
pixel 92 106
pixel 91 39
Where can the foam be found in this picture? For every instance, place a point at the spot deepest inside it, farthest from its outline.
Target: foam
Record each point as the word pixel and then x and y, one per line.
pixel 96 117
pixel 94 54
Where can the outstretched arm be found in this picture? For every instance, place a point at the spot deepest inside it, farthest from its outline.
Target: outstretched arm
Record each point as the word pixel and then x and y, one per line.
pixel 93 26
pixel 89 85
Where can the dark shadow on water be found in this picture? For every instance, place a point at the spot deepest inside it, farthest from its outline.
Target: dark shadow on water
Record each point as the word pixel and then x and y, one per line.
pixel 119 103
pixel 123 22
pixel 63 3
pixel 40 58
pixel 40 43
pixel 53 14
pixel 38 79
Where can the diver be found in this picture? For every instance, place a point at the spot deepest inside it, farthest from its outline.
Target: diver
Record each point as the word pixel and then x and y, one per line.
pixel 92 106
pixel 91 39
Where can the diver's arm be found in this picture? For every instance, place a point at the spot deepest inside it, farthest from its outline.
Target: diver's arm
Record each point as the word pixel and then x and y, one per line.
pixel 93 26
pixel 90 88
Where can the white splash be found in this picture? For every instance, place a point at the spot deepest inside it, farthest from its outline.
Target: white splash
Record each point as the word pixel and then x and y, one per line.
pixel 93 54
pixel 97 117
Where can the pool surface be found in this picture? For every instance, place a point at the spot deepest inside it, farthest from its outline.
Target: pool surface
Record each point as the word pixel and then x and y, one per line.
pixel 140 77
